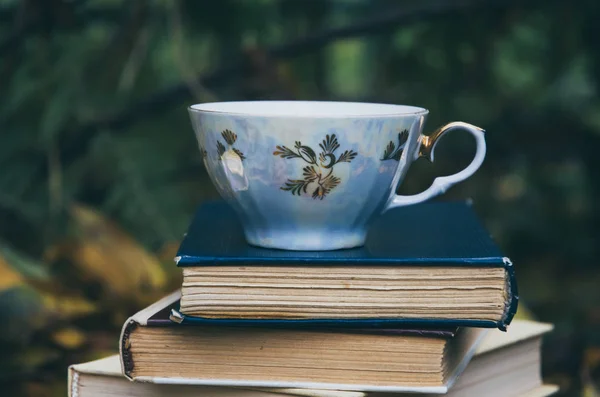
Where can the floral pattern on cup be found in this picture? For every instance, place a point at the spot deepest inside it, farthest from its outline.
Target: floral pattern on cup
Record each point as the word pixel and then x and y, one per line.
pixel 393 153
pixel 318 172
pixel 230 138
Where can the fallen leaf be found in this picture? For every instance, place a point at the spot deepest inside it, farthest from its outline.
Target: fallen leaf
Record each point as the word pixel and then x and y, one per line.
pixel 104 252
pixel 67 306
pixel 69 338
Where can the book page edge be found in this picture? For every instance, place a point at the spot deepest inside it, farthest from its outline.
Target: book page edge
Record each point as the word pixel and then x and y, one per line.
pixel 293 385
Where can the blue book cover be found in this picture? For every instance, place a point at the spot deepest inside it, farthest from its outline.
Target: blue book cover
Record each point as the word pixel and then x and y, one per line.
pixel 435 233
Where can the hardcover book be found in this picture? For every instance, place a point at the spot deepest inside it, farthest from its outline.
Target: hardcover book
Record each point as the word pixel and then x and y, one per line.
pixel 154 349
pixel 430 264
pixel 103 378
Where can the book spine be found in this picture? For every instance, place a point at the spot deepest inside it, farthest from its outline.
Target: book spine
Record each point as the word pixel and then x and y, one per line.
pixel 125 349
pixel 513 298
pixel 73 383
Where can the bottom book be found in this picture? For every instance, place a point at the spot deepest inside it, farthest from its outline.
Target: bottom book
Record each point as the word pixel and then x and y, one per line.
pixel 505 364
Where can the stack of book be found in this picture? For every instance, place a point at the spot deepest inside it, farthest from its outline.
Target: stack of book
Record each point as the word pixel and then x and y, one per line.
pixel 426 306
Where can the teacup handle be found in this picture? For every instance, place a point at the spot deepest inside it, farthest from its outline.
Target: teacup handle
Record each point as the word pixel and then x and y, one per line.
pixel 440 184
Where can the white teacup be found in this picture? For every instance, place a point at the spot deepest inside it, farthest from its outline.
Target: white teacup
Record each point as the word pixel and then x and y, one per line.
pixel 307 175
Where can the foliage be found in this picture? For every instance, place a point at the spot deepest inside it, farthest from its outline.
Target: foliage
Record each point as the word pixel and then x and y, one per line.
pixel 100 171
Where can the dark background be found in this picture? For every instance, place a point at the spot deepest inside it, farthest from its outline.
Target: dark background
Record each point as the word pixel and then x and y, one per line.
pixel 100 171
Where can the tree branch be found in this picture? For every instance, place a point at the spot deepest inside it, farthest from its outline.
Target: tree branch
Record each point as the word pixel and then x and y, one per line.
pixel 161 101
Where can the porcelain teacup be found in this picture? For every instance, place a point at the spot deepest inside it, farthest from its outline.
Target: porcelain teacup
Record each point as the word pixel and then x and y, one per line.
pixel 310 175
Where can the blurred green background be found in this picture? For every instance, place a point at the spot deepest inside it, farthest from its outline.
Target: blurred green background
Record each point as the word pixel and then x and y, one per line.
pixel 100 171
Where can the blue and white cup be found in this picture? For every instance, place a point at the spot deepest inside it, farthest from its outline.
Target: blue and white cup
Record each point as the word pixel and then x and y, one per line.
pixel 305 175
